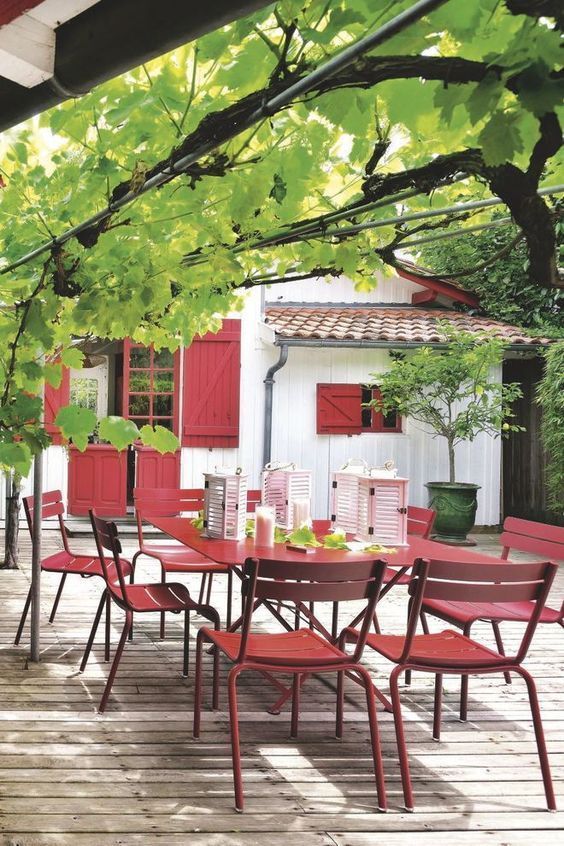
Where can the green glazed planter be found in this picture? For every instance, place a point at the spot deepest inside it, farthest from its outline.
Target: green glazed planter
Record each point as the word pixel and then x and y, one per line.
pixel 455 504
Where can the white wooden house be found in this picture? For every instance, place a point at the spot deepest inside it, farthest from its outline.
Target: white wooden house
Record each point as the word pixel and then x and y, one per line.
pixel 283 380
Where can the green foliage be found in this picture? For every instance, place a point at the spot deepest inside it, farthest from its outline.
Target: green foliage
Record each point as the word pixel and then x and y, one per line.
pixel 451 391
pixel 304 536
pixel 550 395
pixel 76 424
pixel 164 268
pixel 119 432
pixel 159 438
pixel 504 289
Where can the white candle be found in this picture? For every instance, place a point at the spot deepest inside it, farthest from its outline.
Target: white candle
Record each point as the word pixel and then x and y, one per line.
pixel 264 526
pixel 301 512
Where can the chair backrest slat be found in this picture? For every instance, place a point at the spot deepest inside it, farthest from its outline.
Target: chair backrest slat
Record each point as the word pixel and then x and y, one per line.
pixel 529 536
pixel 52 505
pixel 420 521
pixel 311 582
pixel 254 498
pixel 463 582
pixel 165 502
pixel 106 537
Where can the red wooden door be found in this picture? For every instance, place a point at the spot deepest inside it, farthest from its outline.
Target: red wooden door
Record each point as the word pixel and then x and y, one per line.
pixel 153 470
pixel 98 479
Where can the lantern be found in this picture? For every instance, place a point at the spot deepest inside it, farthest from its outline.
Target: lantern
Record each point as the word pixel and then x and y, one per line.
pixel 283 486
pixel 382 510
pixel 225 505
pixel 344 494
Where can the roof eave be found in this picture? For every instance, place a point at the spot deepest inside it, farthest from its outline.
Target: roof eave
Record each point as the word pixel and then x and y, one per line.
pixel 351 343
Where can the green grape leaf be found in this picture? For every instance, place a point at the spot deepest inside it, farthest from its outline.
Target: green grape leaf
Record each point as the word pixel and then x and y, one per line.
pixel 72 358
pixel 53 374
pixel 118 431
pixel 159 438
pixel 303 536
pixel 335 541
pixel 500 138
pixel 17 456
pixel 76 424
pixel 280 535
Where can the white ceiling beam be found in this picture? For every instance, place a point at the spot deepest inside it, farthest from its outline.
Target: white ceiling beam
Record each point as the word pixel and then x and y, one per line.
pixel 53 13
pixel 27 51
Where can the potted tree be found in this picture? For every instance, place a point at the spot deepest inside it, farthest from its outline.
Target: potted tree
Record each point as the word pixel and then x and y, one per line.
pixel 452 392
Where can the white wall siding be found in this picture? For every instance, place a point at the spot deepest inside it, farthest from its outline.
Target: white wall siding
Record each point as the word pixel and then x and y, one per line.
pixel 419 456
pixel 389 289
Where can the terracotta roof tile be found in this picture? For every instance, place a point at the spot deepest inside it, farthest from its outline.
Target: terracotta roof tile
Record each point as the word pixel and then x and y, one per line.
pixel 401 325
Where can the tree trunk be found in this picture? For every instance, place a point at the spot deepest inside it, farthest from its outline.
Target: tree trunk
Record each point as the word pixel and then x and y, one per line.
pixel 12 522
pixel 451 473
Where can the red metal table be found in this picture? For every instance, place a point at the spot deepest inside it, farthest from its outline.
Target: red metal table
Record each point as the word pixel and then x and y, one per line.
pixel 234 553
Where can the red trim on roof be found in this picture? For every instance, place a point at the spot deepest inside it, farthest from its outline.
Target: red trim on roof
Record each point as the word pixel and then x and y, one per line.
pixel 12 9
pixel 447 289
pixel 421 297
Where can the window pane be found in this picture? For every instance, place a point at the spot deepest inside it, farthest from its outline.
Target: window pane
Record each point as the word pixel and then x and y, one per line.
pixel 163 382
pixel 166 422
pixel 138 405
pixel 390 420
pixel 139 380
pixel 162 405
pixel 164 358
pixel 139 421
pixel 366 413
pixel 84 393
pixel 140 357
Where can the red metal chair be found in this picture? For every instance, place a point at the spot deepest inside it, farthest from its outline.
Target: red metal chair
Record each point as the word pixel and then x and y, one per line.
pixel 420 523
pixel 452 652
pixel 298 652
pixel 138 598
pixel 522 535
pixel 254 498
pixel 66 562
pixel 174 557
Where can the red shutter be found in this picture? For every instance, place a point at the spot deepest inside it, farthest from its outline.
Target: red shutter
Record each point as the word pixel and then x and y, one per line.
pixel 339 409
pixel 212 374
pixel 56 398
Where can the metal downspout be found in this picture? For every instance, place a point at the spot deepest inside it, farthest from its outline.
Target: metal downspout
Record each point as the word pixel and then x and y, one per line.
pixel 268 395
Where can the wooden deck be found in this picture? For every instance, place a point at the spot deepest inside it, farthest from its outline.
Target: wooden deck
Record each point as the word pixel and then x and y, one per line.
pixel 136 776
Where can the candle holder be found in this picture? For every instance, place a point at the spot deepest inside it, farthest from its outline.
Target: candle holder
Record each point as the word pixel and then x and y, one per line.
pixel 282 485
pixel 225 505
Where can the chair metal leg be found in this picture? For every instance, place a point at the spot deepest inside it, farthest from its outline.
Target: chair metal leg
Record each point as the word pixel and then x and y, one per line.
pixel 185 663
pixel 23 617
pixel 424 623
pixel 464 683
pixel 202 588
pixel 108 627
pixel 235 744
pixel 57 597
pixel 295 705
pixel 376 624
pixel 374 738
pixel 229 598
pixel 500 647
pixel 117 658
pixel 437 706
pixel 162 632
pixel 400 739
pixel 340 704
pixel 198 687
pixel 208 594
pixel 93 631
pixel 539 736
